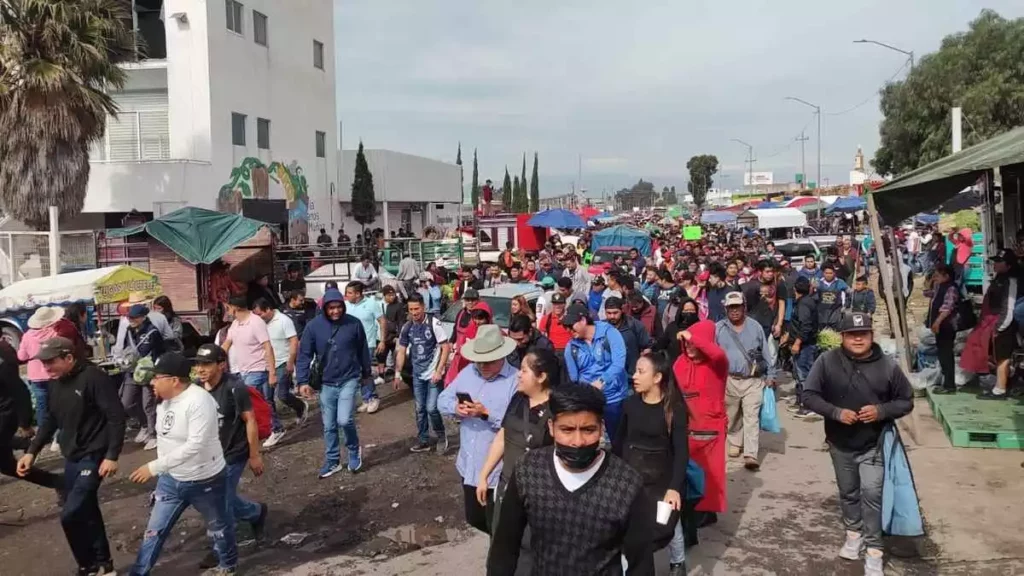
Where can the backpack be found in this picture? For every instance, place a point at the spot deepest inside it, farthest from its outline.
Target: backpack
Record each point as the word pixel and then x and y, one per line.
pixel 261 410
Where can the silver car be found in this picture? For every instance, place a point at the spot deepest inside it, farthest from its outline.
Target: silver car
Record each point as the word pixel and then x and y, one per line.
pixel 499 299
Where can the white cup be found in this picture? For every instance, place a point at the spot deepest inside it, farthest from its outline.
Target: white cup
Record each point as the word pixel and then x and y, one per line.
pixel 664 511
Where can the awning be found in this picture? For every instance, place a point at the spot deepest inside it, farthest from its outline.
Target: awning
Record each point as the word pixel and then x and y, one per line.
pixel 556 218
pixel 98 286
pixel 198 235
pixel 717 217
pixel 773 218
pixel 848 204
pixel 930 185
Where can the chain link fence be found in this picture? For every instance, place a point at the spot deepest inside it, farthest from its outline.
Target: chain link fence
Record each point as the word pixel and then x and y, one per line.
pixel 25 255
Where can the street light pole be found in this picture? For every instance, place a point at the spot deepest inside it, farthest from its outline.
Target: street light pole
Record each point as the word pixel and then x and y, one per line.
pixel 817 184
pixel 750 159
pixel 908 53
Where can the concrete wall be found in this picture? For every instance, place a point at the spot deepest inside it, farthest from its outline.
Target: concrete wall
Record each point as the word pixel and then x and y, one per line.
pixel 399 177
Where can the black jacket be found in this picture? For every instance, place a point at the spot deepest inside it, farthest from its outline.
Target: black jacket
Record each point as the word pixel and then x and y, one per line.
pixel 394 316
pixel 637 339
pixel 85 407
pixel 15 402
pixel 537 341
pixel 804 321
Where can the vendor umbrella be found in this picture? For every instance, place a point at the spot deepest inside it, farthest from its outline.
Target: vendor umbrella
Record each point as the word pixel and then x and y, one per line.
pixel 556 218
pixel 848 204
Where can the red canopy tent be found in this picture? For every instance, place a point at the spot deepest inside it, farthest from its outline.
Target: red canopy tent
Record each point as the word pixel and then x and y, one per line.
pixel 588 212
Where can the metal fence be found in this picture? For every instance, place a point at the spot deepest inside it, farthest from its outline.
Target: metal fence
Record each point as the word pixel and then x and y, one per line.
pixel 25 255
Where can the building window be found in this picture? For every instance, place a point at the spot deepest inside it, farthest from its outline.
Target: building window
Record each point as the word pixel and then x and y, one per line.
pixel 263 134
pixel 321 144
pixel 259 28
pixel 234 9
pixel 238 129
pixel 318 54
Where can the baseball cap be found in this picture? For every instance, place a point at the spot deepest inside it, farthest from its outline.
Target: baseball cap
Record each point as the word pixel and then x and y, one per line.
pixel 557 299
pixel 172 364
pixel 210 354
pixel 138 311
pixel 856 322
pixel 471 294
pixel 548 282
pixel 574 314
pixel 733 299
pixel 1005 255
pixel 613 303
pixel 55 348
pixel 598 280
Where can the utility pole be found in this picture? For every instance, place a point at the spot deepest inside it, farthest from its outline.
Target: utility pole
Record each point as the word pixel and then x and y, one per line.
pixel 750 159
pixel 803 162
pixel 817 184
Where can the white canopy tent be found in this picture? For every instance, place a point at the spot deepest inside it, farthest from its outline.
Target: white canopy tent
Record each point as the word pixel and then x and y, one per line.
pixel 771 218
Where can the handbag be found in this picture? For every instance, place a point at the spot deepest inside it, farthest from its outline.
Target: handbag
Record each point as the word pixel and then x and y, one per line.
pixel 316 369
pixel 750 361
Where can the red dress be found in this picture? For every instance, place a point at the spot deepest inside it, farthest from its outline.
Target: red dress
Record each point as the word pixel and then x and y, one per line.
pixel 702 383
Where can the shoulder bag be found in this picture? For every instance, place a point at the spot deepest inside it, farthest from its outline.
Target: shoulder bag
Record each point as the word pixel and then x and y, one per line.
pixel 316 370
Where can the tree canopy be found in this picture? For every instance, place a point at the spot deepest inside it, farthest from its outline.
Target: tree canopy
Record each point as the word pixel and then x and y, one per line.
pixel 979 70
pixel 474 190
pixel 364 205
pixel 507 193
pixel 701 168
pixel 534 187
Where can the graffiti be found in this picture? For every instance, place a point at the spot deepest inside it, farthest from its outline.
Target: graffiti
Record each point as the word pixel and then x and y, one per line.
pixel 254 179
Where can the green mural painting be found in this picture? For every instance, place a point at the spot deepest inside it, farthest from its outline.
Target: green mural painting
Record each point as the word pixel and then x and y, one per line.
pixel 278 181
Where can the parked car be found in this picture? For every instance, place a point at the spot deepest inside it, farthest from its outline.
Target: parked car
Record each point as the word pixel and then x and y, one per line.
pixel 499 299
pixel 604 258
pixel 796 249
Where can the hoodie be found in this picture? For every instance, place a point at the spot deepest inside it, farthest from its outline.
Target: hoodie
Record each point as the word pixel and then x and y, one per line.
pixel 343 357
pixel 604 359
pixel 964 247
pixel 702 380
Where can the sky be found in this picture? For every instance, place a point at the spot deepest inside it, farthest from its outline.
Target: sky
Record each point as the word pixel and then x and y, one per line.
pixel 620 91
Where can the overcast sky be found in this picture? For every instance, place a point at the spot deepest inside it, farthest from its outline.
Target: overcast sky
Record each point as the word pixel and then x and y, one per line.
pixel 635 89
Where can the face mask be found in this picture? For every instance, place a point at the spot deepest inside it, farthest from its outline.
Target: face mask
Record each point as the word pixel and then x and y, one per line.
pixel 578 458
pixel 689 319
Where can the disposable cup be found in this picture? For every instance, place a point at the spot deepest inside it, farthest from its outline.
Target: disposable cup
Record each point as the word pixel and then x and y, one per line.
pixel 664 511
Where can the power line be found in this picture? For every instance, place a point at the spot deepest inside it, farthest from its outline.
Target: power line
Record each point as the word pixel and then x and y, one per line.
pixel 872 96
pixel 790 142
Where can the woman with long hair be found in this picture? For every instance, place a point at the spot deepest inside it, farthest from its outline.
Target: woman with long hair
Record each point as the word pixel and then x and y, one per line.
pixel 162 304
pixel 519 306
pixel 653 438
pixel 687 316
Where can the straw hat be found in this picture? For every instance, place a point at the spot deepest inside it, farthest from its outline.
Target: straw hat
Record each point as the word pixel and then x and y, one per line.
pixel 489 345
pixel 45 316
pixel 139 298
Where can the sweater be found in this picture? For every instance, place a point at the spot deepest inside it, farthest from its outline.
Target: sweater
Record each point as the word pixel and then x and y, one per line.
pixel 188 445
pixel 586 531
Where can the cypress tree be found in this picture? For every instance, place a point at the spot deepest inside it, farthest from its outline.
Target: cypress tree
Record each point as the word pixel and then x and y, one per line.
pixel 534 187
pixel 364 205
pixel 475 185
pixel 506 193
pixel 516 193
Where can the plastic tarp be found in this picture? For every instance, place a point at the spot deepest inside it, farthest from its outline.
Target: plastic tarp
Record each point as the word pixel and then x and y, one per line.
pixel 766 205
pixel 557 218
pixel 773 218
pixel 800 201
pixel 588 212
pixel 848 204
pixel 99 286
pixel 929 219
pixel 932 184
pixel 623 236
pixel 717 217
pixel 198 235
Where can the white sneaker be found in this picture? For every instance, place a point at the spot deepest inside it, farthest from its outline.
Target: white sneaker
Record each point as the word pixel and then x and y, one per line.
pixel 273 439
pixel 874 563
pixel 373 405
pixel 150 444
pixel 142 436
pixel 361 408
pixel 55 446
pixel 378 381
pixel 853 547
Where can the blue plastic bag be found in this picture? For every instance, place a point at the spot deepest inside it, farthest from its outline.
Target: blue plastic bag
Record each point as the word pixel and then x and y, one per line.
pixel 694 481
pixel 769 416
pixel 901 511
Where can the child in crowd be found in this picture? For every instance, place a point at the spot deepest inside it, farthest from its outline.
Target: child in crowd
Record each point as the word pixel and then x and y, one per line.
pixel 862 299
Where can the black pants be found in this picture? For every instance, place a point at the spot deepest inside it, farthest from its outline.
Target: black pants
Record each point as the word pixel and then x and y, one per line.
pixel 81 517
pixel 944 341
pixel 9 466
pixel 478 516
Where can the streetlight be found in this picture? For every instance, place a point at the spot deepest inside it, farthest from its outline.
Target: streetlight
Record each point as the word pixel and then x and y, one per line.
pixel 750 159
pixel 817 183
pixel 908 53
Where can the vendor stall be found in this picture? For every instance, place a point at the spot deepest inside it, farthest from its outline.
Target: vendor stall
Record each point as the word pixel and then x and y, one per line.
pixel 622 235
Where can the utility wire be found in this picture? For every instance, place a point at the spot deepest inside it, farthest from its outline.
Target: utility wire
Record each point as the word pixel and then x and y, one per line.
pixel 872 96
pixel 789 143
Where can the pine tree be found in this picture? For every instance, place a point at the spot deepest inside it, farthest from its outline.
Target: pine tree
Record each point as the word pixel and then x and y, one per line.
pixel 516 193
pixel 534 187
pixel 524 200
pixel 364 205
pixel 462 182
pixel 506 193
pixel 475 190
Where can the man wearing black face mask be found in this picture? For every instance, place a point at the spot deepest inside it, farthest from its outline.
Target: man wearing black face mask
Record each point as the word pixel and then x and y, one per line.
pixel 607 516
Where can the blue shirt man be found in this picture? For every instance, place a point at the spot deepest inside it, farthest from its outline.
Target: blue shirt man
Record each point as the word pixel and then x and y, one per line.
pixel 596 356
pixel 423 342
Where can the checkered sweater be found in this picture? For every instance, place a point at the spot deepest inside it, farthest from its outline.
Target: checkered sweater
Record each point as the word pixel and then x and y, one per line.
pixel 581 533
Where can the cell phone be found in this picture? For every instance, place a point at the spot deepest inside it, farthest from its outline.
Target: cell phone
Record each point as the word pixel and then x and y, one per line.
pixel 464 398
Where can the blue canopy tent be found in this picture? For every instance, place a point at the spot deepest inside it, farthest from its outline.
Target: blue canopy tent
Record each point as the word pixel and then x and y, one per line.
pixel 623 236
pixel 717 217
pixel 927 219
pixel 763 205
pixel 557 218
pixel 848 204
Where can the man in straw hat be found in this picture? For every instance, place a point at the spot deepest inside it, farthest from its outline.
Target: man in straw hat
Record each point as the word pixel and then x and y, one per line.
pixel 478 397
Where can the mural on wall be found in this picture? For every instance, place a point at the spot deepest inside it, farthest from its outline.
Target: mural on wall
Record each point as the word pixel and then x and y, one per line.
pixel 278 181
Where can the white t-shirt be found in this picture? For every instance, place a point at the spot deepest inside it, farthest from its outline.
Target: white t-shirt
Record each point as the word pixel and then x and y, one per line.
pixel 544 303
pixel 187 440
pixel 364 274
pixel 281 328
pixel 608 293
pixel 573 481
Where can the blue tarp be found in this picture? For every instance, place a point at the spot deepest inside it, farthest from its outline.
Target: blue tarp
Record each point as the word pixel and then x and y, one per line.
pixel 848 204
pixel 929 219
pixel 763 205
pixel 557 218
pixel 717 217
pixel 623 236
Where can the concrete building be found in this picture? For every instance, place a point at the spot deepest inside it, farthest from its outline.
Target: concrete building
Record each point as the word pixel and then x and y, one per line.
pixel 412 192
pixel 233 100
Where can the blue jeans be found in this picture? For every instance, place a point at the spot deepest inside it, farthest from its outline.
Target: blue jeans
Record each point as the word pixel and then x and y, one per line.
pixel 283 392
pixel 677 546
pixel 172 498
pixel 337 402
pixel 38 389
pixel 802 364
pixel 426 392
pixel 81 518
pixel 612 414
pixel 261 382
pixel 239 508
pixel 369 389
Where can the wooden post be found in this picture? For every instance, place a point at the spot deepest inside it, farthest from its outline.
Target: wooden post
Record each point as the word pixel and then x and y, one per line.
pixel 901 301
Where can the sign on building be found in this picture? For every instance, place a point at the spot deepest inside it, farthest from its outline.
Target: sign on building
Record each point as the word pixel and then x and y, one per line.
pixel 758 178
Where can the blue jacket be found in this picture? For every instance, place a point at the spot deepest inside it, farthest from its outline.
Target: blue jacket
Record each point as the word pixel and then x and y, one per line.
pixel 347 354
pixel 603 359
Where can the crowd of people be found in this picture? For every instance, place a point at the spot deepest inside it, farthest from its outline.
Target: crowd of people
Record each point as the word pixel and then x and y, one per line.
pixel 627 391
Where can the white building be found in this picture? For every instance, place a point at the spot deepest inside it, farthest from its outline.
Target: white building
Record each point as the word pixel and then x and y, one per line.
pixel 234 100
pixel 412 192
pixel 715 197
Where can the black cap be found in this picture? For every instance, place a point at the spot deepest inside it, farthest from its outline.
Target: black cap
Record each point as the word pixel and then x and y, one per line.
pixel 471 294
pixel 574 314
pixel 55 348
pixel 1005 255
pixel 856 322
pixel 613 303
pixel 557 298
pixel 210 354
pixel 172 364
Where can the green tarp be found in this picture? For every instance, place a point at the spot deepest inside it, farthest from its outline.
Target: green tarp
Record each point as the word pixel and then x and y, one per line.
pixel 197 235
pixel 924 189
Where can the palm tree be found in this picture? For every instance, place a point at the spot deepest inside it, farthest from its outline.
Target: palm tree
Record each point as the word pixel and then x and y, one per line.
pixel 58 61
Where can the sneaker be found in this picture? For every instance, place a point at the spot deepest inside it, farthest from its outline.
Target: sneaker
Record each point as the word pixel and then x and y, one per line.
pixel 991 395
pixel 677 569
pixel 273 439
pixel 735 451
pixel 806 415
pixel 329 469
pixel 355 460
pixel 793 406
pixel 220 572
pixel 150 444
pixel 142 436
pixel 55 446
pixel 942 390
pixel 378 381
pixel 751 463
pixel 853 546
pixel 442 444
pixel 259 527
pixel 420 447
pixel 361 408
pixel 874 563
pixel 106 569
pixel 373 405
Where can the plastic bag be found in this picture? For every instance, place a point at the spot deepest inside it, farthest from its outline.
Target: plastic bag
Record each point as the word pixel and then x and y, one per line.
pixel 769 415
pixel 962 377
pixel 926 378
pixel 925 341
